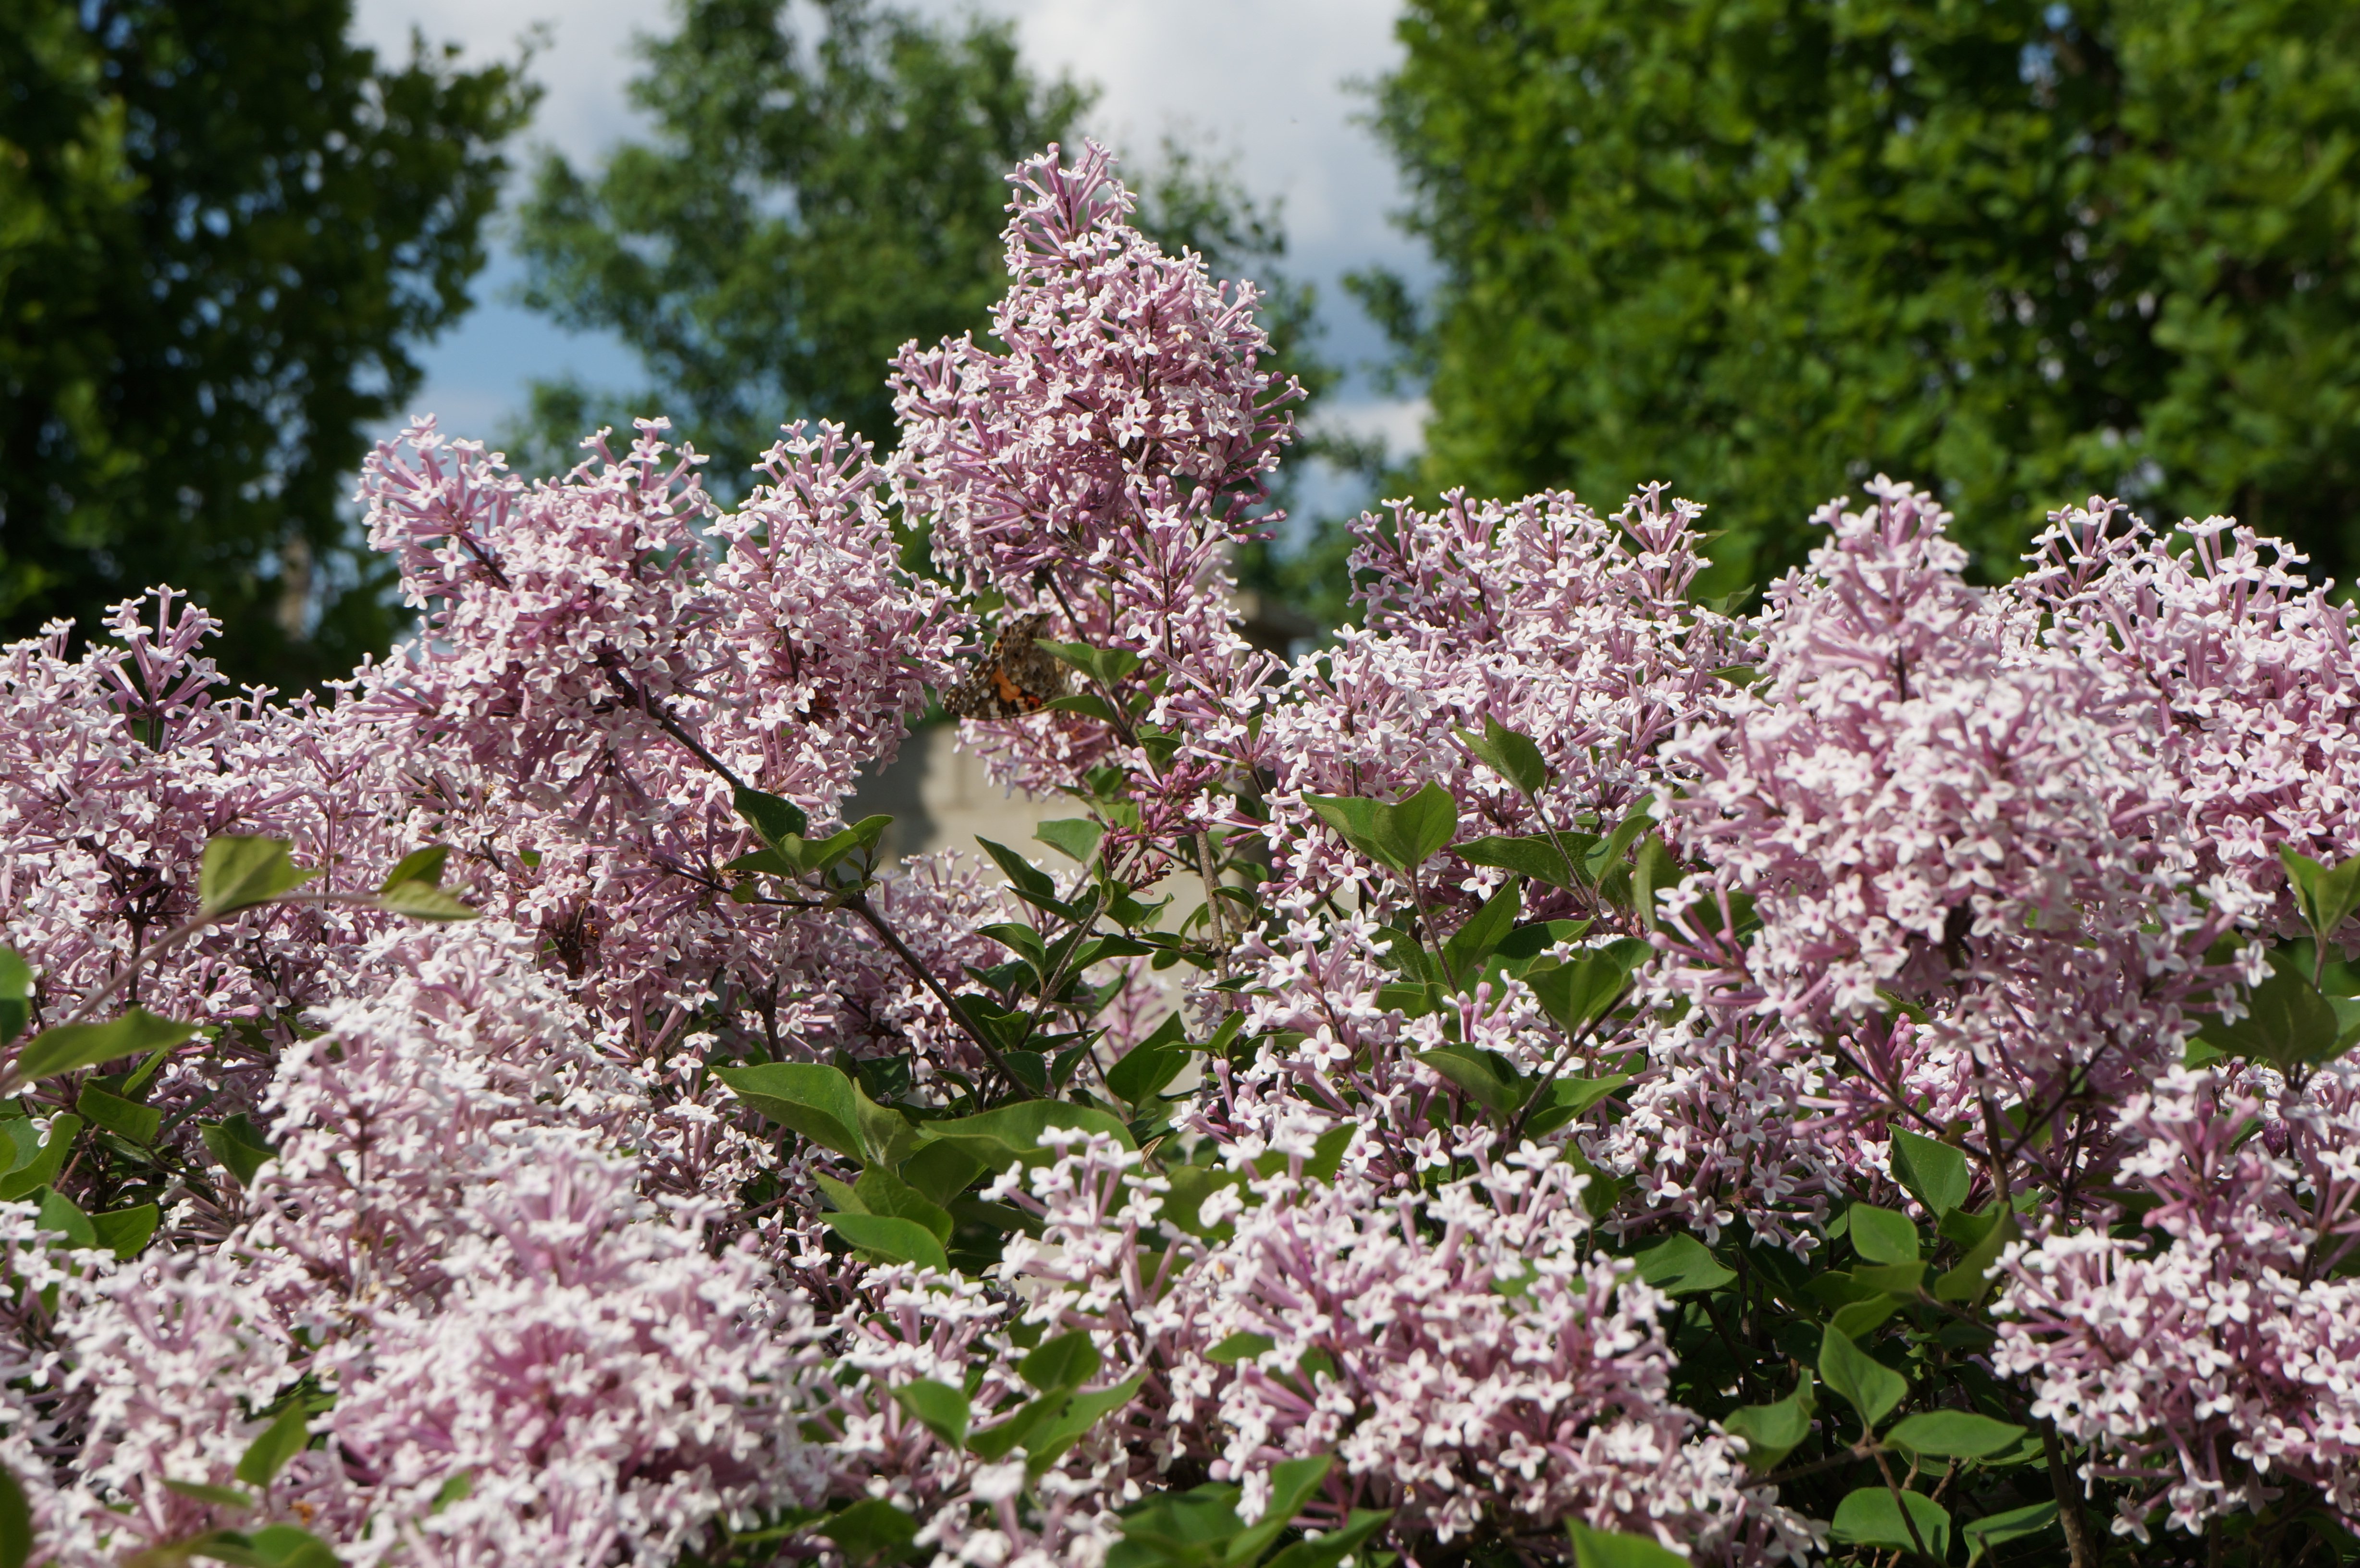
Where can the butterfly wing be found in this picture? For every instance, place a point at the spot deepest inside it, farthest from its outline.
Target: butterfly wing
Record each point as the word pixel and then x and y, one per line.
pixel 1014 677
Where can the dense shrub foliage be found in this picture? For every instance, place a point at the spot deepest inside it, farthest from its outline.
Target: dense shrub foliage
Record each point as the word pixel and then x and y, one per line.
pixel 1863 1081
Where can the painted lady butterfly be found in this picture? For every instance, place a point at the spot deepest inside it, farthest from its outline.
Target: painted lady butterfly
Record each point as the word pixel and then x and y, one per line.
pixel 1014 678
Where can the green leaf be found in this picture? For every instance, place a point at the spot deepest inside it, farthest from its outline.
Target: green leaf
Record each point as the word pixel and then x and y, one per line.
pixel 940 1170
pixel 202 1492
pixel 1613 1548
pixel 1071 1421
pixel 1196 1529
pixel 456 1487
pixel 1652 870
pixel 2327 896
pixel 1240 1346
pixel 1511 756
pixel 881 1191
pixel 1402 836
pixel 238 1144
pixel 1332 1548
pixel 42 1169
pixel 1014 1131
pixel 1866 1384
pixel 808 1097
pixel 1680 1265
pixel 16 994
pixel 272 1546
pixel 1870 1516
pixel 1527 942
pixel 1934 1174
pixel 1483 1077
pixel 2287 1021
pixel 1067 1361
pixel 127 1232
pixel 1952 1434
pixel 1423 825
pixel 1536 858
pixel 1292 1482
pixel 872 1531
pixel 1076 836
pixel 1027 877
pixel 939 1407
pixel 774 820
pixel 61 1215
pixel 1579 992
pixel 891 1240
pixel 1968 1281
pixel 1089 703
pixel 1883 1237
pixel 423 901
pixel 1464 953
pixel 70 1046
pixel 418 866
pixel 16 1522
pixel 282 1440
pixel 1191 1185
pixel 1144 1072
pixel 1108 664
pixel 127 1119
pixel 239 872
pixel 1568 1098
pixel 1773 1432
pixel 1997 1529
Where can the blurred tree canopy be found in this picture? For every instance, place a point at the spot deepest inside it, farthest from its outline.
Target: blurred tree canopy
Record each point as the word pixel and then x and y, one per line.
pixel 222 229
pixel 2019 252
pixel 812 198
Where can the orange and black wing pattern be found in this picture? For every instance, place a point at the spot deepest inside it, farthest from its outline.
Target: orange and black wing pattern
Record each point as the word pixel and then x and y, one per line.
pixel 1014 678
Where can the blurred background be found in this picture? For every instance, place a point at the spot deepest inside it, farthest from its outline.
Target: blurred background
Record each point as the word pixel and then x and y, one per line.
pixel 1761 249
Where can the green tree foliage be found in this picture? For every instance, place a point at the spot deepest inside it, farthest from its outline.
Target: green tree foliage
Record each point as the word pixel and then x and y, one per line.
pixel 1763 249
pixel 813 199
pixel 222 227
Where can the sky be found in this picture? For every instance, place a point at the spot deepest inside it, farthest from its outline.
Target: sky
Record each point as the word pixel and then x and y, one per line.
pixel 1276 85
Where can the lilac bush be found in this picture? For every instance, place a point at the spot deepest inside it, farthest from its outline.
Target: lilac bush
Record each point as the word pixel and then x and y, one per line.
pixel 1561 1073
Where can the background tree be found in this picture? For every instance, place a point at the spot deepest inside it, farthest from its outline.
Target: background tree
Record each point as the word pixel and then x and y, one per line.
pixel 1763 249
pixel 222 230
pixel 812 199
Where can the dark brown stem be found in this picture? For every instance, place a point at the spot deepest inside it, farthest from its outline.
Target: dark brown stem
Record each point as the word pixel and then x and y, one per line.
pixel 860 906
pixel 2068 1500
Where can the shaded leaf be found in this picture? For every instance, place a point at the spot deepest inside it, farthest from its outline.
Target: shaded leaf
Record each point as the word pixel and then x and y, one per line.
pixel 1464 951
pixel 1612 1549
pixel 16 994
pixel 1866 1384
pixel 238 1144
pixel 1997 1529
pixel 1935 1173
pixel 939 1407
pixel 282 1440
pixel 870 1531
pixel 126 1119
pixel 1680 1264
pixel 1952 1434
pixel 1511 756
pixel 1068 1361
pixel 1881 1235
pixel 776 820
pixel 1773 1432
pixel 1536 858
pixel 127 1232
pixel 47 1160
pixel 1870 1516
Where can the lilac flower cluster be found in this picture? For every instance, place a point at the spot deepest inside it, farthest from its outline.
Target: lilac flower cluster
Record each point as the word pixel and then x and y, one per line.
pixel 1648 1082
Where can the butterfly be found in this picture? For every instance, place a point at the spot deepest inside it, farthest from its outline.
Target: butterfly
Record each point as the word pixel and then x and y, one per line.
pixel 1015 677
